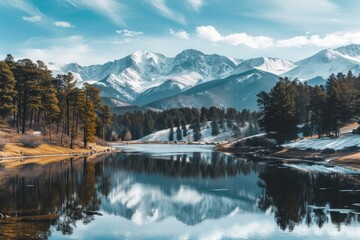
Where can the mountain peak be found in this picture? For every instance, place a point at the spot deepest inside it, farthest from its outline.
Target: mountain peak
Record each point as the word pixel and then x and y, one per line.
pixel 350 51
pixel 191 52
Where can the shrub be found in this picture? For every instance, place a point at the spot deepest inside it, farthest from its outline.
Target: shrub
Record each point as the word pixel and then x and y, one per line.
pixel 101 142
pixel 31 141
pixel 2 145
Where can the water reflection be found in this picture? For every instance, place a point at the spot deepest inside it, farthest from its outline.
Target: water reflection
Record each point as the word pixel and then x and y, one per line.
pixel 137 195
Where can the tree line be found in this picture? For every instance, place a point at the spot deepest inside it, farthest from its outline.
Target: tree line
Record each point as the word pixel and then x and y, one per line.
pixel 320 109
pixel 135 125
pixel 31 98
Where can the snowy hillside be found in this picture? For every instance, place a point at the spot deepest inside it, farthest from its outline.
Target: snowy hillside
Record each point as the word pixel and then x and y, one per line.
pixel 163 135
pixel 345 141
pixel 238 91
pixel 272 65
pixel 327 62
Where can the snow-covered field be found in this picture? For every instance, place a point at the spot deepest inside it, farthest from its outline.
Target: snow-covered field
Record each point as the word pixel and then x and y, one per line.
pixel 322 168
pixel 345 141
pixel 163 135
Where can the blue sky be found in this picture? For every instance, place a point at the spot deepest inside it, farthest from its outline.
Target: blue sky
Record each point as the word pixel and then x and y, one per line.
pixel 96 31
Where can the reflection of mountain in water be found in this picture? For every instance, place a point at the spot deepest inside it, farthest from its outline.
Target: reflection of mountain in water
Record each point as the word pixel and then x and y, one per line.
pixel 190 187
pixel 174 186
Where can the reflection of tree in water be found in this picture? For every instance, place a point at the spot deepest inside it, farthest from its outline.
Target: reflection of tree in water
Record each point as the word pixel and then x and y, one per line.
pixel 70 188
pixel 289 193
pixel 66 189
pixel 186 165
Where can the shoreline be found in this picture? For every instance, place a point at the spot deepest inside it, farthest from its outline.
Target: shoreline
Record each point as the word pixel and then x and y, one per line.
pixel 14 155
pixel 345 158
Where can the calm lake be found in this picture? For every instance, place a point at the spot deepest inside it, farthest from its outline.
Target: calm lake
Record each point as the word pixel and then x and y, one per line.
pixel 178 192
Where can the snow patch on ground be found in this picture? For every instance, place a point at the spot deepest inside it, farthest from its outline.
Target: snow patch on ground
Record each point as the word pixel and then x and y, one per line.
pixel 163 135
pixel 321 168
pixel 345 141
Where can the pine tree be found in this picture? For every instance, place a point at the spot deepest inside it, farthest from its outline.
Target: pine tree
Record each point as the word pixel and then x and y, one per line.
pixel 196 133
pixel 51 107
pixel 76 108
pixel 106 119
pixel 183 127
pixel 89 123
pixel 27 86
pixel 214 128
pixel 178 133
pixel 171 134
pixel 7 90
pixel 317 108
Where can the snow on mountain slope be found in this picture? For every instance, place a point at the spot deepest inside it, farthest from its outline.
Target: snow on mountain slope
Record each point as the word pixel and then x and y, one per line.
pixel 326 62
pixel 238 91
pixel 350 51
pixel 163 135
pixel 145 77
pixel 144 70
pixel 272 65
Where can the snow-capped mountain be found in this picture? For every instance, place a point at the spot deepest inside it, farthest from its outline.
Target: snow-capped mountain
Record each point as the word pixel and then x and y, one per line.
pixel 326 62
pixel 238 91
pixel 146 78
pixel 125 79
pixel 267 64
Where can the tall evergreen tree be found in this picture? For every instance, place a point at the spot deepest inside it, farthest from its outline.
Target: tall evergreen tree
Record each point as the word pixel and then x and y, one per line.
pixel 317 108
pixel 171 134
pixel 214 127
pixel 7 91
pixel 178 134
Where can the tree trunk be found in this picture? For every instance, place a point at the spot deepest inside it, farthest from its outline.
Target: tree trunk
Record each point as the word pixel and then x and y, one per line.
pixel 67 116
pixel 31 118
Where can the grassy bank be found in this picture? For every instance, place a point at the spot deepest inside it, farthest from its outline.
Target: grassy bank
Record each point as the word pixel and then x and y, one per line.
pixel 14 155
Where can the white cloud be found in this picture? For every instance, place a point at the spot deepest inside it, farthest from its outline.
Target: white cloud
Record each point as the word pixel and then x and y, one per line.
pixel 335 20
pixel 36 18
pixel 196 4
pixel 164 10
pixel 22 5
pixel 63 24
pixel 128 33
pixel 329 40
pixel 109 8
pixel 211 34
pixel 180 34
pixel 61 50
pixel 304 13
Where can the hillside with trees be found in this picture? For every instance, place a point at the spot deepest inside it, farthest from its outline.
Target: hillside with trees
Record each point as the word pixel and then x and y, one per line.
pixel 179 121
pixel 32 99
pixel 321 110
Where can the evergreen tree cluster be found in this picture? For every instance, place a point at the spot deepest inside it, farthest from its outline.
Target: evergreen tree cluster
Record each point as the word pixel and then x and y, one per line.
pixel 317 109
pixel 135 125
pixel 30 98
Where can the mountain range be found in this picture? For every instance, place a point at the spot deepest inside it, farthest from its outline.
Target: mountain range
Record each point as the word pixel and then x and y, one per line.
pixel 195 79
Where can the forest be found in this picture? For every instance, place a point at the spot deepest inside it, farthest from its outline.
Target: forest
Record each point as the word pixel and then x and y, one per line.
pixel 31 99
pixel 135 125
pixel 293 106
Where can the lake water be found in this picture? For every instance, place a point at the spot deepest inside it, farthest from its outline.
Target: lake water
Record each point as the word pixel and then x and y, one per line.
pixel 178 192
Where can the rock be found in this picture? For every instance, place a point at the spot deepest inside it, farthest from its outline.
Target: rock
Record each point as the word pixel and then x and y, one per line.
pixel 328 151
pixel 92 213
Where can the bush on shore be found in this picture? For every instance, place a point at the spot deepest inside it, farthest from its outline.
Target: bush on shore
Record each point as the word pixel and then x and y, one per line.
pixel 31 141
